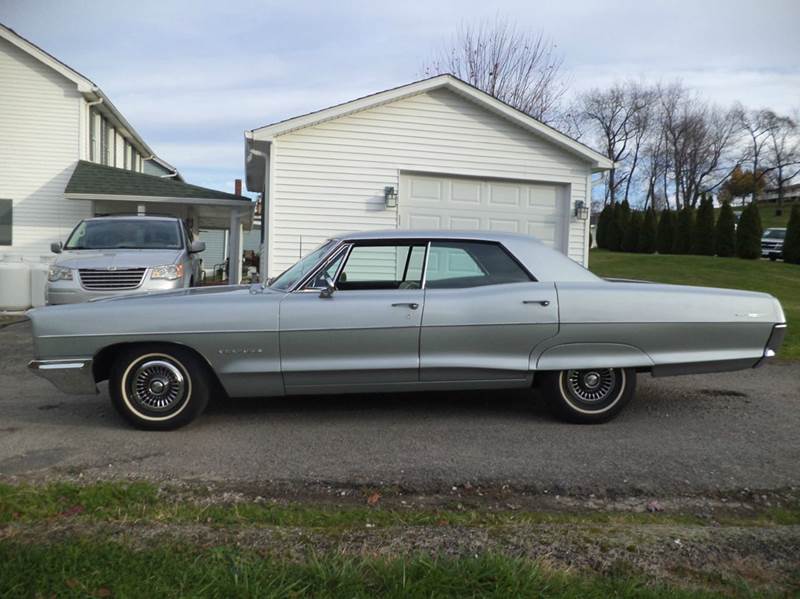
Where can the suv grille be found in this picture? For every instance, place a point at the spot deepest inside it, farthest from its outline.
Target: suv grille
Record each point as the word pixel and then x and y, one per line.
pixel 111 280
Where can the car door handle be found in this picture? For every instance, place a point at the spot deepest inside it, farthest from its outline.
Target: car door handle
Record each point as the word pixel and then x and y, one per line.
pixel 412 305
pixel 540 302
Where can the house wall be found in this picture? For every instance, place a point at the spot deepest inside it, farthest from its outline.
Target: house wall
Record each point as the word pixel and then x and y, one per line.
pixel 329 178
pixel 39 146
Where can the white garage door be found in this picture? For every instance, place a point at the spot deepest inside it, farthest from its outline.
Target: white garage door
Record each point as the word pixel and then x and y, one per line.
pixel 438 202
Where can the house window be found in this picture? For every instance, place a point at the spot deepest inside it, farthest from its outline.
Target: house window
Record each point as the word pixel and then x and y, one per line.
pixel 6 207
pixel 125 155
pixel 103 141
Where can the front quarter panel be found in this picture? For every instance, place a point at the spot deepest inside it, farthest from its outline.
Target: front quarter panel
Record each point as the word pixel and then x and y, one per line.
pixel 235 331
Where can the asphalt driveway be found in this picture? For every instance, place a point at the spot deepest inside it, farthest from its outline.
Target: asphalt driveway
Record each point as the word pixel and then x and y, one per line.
pixel 693 434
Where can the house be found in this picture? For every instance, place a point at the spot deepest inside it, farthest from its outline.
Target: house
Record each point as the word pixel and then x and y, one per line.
pixel 68 153
pixel 436 153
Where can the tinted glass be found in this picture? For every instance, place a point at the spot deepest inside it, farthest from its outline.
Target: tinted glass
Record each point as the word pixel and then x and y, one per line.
pixel 299 269
pixel 456 264
pixel 122 233
pixel 775 234
pixel 383 267
pixel 6 209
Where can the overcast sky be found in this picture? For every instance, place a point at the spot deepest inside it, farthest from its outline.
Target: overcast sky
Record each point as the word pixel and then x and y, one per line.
pixel 191 76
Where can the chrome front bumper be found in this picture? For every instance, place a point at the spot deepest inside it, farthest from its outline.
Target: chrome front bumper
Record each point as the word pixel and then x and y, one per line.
pixel 69 376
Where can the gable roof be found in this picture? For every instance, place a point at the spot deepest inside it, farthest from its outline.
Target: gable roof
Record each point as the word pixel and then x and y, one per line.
pixel 90 179
pixel 599 162
pixel 86 87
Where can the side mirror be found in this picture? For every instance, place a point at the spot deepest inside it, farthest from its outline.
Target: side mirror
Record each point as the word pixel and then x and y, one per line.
pixel 197 246
pixel 55 247
pixel 327 292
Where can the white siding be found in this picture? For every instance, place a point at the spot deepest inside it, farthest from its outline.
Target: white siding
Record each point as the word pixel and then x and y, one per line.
pixel 39 147
pixel 329 178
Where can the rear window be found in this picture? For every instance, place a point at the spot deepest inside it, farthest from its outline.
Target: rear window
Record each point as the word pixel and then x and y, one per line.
pixel 458 264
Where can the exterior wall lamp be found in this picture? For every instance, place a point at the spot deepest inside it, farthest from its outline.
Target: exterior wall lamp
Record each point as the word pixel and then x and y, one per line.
pixel 390 196
pixel 581 210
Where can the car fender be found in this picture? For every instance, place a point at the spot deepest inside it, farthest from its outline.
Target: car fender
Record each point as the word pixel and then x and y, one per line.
pixel 591 355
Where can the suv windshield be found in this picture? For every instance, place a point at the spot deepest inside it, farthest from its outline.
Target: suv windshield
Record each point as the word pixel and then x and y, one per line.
pixel 294 273
pixel 774 234
pixel 129 233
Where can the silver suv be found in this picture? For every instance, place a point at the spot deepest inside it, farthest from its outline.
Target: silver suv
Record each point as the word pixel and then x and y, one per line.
pixel 772 243
pixel 114 255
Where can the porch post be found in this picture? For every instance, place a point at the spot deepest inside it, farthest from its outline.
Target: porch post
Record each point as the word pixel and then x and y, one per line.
pixel 235 248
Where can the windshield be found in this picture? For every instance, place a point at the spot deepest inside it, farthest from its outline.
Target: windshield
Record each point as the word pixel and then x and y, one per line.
pixel 296 272
pixel 118 233
pixel 775 234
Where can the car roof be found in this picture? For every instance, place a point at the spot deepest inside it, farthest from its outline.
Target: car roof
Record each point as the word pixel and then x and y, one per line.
pixel 497 236
pixel 133 217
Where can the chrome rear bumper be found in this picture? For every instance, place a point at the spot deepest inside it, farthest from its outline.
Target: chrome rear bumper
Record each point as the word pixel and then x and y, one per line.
pixel 69 376
pixel 773 343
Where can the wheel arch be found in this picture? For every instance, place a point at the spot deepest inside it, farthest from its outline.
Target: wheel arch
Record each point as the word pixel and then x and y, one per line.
pixel 104 358
pixel 577 356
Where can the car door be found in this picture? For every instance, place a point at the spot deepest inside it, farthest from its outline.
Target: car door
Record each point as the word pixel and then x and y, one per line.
pixel 365 336
pixel 484 314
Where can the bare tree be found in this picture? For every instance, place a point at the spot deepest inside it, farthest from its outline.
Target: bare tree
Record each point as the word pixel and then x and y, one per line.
pixel 783 153
pixel 757 125
pixel 518 67
pixel 619 120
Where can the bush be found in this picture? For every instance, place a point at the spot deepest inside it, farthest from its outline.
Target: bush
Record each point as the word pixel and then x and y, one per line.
pixel 682 243
pixel 630 240
pixel 666 232
pixel 748 233
pixel 725 236
pixel 614 231
pixel 791 245
pixel 602 227
pixel 648 232
pixel 703 234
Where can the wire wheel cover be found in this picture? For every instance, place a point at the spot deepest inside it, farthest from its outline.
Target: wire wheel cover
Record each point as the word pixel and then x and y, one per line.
pixel 157 385
pixel 591 386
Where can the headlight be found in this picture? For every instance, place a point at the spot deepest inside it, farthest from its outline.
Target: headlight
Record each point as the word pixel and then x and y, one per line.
pixel 59 273
pixel 168 271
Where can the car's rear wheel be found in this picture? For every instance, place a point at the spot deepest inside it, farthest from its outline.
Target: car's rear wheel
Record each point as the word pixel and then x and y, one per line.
pixel 588 396
pixel 159 387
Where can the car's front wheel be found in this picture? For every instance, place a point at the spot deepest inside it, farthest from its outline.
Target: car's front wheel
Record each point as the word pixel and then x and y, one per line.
pixel 158 387
pixel 588 396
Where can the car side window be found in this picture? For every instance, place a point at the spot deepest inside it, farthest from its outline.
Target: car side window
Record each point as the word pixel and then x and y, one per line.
pixel 328 271
pixel 383 266
pixel 459 264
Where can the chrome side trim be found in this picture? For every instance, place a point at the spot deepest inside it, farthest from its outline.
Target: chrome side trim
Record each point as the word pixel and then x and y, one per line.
pixel 70 376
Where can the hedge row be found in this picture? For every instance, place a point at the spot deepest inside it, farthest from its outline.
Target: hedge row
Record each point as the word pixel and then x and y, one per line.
pixel 690 231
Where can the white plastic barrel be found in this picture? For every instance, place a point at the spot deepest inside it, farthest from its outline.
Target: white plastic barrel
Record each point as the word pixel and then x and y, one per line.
pixel 38 274
pixel 15 285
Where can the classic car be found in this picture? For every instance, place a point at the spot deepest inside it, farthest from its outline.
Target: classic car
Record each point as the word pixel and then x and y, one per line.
pixel 403 311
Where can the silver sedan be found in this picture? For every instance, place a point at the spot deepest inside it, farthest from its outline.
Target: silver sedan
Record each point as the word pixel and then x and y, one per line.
pixel 404 311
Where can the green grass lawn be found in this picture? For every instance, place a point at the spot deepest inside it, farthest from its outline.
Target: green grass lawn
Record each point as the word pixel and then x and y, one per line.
pixel 779 279
pixel 767 212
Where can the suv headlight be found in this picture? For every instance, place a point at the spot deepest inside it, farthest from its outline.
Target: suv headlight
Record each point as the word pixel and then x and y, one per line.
pixel 168 271
pixel 59 273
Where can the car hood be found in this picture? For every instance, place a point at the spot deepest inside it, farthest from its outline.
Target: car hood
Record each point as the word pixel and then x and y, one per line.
pixel 178 293
pixel 122 258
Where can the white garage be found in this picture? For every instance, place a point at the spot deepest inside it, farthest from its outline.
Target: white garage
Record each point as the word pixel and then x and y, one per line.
pixel 435 154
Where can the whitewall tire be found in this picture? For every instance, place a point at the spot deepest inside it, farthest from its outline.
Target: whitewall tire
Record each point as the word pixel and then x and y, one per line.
pixel 588 396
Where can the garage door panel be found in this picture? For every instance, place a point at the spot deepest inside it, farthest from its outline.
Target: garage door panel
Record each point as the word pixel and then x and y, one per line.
pixel 466 192
pixel 501 224
pixel 465 222
pixel 425 221
pixel 426 189
pixel 441 202
pixel 503 195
